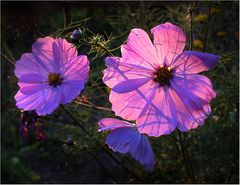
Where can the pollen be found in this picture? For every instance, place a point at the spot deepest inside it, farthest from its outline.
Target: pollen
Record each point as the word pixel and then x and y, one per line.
pixel 54 79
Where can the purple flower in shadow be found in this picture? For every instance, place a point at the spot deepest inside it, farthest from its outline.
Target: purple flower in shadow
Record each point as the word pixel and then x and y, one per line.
pixel 157 84
pixel 51 75
pixel 124 137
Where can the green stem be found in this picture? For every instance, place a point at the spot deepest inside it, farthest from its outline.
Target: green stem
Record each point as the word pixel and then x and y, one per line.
pixel 101 164
pixel 206 32
pixel 92 106
pixel 185 161
pixel 99 45
pixel 104 148
pixel 191 29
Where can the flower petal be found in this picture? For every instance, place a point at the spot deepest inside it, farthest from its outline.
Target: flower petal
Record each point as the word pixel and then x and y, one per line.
pixel 169 40
pixel 130 85
pixel 182 87
pixel 140 46
pixel 143 152
pixel 28 64
pixel 77 69
pixel 118 71
pixel 188 118
pixel 111 124
pixel 42 51
pixel 70 90
pixel 128 139
pixel 161 117
pixel 32 78
pixel 51 102
pixel 31 88
pixel 118 140
pixel 132 104
pixel 30 102
pixel 191 62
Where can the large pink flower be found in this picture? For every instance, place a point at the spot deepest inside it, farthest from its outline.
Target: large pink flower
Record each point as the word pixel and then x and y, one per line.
pixel 157 83
pixel 51 75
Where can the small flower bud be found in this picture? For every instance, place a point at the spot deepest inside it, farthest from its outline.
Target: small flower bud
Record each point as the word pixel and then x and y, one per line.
pixel 76 35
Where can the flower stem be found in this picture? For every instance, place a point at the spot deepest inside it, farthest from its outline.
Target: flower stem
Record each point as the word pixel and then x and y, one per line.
pixel 102 165
pixel 104 148
pixel 191 29
pixel 185 156
pixel 99 45
pixel 206 32
pixel 93 106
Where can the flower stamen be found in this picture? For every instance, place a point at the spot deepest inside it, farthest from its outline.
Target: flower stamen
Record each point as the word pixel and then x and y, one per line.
pixel 54 79
pixel 163 75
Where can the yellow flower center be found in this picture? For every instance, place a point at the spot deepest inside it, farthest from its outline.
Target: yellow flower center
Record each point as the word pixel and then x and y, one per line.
pixel 163 75
pixel 54 79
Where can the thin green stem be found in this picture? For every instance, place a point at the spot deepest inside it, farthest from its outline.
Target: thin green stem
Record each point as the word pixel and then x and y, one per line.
pixel 8 60
pixel 191 29
pixel 99 45
pixel 185 161
pixel 104 148
pixel 102 165
pixel 93 106
pixel 206 32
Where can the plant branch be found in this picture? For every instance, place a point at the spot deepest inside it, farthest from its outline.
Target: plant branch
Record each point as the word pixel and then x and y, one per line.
pixel 91 105
pixel 185 161
pixel 104 148
pixel 191 29
pixel 206 32
pixel 99 45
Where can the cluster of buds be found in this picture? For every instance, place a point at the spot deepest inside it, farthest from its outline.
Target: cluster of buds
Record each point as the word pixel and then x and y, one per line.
pixel 32 125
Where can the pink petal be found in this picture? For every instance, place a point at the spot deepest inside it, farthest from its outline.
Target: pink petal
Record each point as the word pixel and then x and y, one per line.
pixel 77 69
pixel 111 124
pixel 67 50
pixel 33 78
pixel 31 88
pixel 42 51
pixel 118 140
pixel 30 102
pixel 143 152
pixel 130 85
pixel 191 62
pixel 194 90
pixel 188 118
pixel 70 90
pixel 182 87
pixel 51 102
pixel 200 86
pixel 128 139
pixel 118 71
pixel 130 105
pixel 140 45
pixel 161 117
pixel 28 64
pixel 31 83
pixel 169 40
pixel 64 53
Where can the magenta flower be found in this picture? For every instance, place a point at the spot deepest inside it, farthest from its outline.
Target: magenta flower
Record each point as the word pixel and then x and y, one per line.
pixel 51 75
pixel 124 137
pixel 157 83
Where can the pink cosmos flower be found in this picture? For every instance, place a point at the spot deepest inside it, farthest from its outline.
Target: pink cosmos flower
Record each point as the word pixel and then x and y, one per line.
pixel 157 84
pixel 51 75
pixel 124 137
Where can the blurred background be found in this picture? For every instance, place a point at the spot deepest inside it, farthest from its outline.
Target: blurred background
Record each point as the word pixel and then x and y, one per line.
pixel 68 155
